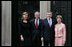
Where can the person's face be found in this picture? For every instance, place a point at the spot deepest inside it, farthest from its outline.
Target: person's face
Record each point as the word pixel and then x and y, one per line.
pixel 37 15
pixel 49 15
pixel 58 19
pixel 25 16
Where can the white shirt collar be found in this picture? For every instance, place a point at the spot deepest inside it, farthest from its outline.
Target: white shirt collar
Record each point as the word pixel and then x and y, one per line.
pixel 48 18
pixel 35 21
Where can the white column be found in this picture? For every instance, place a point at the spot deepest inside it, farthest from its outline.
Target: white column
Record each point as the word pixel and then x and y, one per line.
pixel 6 23
pixel 44 8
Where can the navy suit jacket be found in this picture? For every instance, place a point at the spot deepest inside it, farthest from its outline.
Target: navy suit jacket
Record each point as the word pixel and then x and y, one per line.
pixel 37 33
pixel 48 31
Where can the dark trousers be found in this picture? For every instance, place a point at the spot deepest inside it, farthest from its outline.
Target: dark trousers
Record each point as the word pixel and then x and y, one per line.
pixel 36 43
pixel 46 43
pixel 52 43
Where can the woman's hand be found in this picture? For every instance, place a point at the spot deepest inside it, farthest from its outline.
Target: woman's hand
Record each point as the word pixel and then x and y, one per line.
pixel 22 38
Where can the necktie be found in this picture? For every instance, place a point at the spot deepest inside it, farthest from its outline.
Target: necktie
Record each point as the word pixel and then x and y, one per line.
pixel 36 24
pixel 49 23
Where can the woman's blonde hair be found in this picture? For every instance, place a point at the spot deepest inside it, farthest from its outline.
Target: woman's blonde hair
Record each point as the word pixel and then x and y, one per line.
pixel 24 14
pixel 59 16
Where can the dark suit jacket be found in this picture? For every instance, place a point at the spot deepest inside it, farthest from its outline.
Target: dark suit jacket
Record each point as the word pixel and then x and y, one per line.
pixel 37 33
pixel 48 31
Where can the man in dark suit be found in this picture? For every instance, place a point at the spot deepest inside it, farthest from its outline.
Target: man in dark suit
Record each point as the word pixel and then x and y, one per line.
pixel 49 30
pixel 37 32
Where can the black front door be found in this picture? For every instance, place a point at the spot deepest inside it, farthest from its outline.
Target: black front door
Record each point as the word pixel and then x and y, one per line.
pixel 17 8
pixel 29 6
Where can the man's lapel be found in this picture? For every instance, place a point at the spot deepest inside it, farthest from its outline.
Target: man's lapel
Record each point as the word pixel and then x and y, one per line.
pixel 47 22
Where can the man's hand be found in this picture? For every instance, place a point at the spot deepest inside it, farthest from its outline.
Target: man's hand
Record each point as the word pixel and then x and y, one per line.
pixel 22 39
pixel 42 39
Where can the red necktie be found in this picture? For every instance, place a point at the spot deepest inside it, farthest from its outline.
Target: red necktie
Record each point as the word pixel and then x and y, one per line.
pixel 36 24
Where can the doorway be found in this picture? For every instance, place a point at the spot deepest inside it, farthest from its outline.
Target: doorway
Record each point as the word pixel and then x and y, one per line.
pixel 17 8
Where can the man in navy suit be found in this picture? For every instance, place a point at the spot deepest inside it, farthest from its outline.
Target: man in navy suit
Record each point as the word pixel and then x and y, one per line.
pixel 49 30
pixel 37 30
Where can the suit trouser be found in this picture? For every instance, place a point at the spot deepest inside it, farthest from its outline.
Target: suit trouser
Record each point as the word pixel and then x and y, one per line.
pixel 52 43
pixel 36 43
pixel 46 43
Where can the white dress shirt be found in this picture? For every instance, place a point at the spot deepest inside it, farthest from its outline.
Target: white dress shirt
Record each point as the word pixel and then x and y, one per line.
pixel 35 21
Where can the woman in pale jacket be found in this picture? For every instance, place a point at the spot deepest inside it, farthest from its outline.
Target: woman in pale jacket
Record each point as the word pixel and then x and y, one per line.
pixel 60 32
